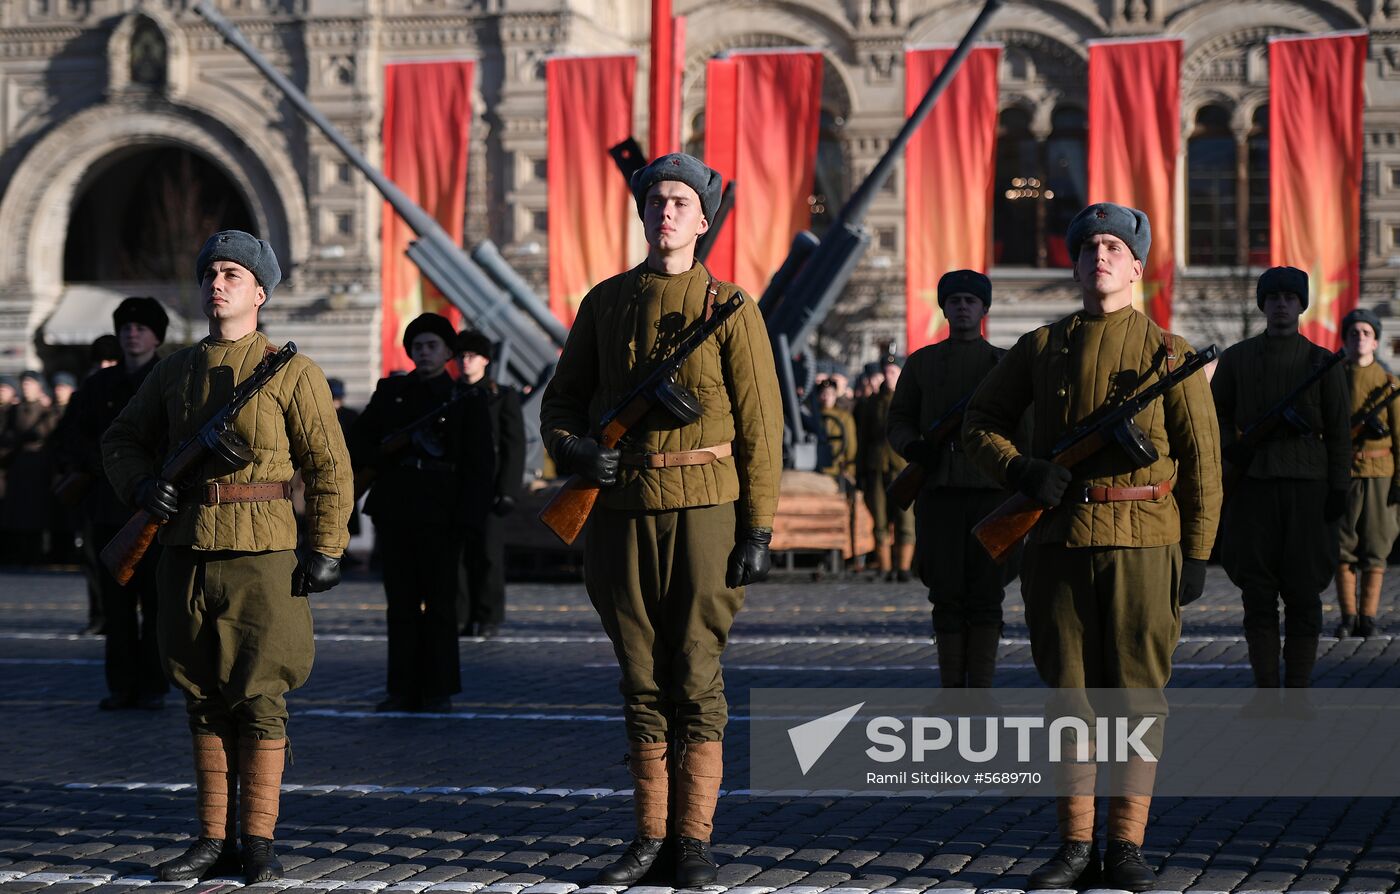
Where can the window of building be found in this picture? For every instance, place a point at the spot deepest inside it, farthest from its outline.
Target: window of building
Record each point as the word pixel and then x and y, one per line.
pixel 1040 186
pixel 148 54
pixel 1257 186
pixel 1212 190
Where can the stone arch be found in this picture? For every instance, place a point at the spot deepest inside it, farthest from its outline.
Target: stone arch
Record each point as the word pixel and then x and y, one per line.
pixel 1057 22
pixel 1209 24
pixel 36 207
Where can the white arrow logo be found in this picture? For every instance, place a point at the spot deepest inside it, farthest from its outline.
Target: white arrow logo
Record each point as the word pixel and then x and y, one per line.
pixel 810 740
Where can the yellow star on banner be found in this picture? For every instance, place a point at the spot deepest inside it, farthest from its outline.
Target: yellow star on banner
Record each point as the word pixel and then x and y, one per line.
pixel 1322 298
pixel 1144 291
pixel 935 317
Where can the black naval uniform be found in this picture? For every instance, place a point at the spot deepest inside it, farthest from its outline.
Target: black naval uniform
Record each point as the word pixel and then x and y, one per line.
pixel 424 499
pixel 481 601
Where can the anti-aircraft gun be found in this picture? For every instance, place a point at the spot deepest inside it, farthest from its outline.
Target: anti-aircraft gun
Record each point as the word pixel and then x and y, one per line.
pixel 805 288
pixel 499 304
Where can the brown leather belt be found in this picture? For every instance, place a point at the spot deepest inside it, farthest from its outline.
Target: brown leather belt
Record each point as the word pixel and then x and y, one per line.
pixel 702 457
pixel 1102 494
pixel 257 492
pixel 1371 454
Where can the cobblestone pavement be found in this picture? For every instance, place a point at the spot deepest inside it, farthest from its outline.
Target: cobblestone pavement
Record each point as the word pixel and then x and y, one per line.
pixel 521 790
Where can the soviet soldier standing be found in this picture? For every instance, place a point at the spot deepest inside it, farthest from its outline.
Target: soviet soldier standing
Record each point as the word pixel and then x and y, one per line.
pixel 878 464
pixel 233 633
pixel 687 521
pixel 425 494
pixel 1107 569
pixel 1368 527
pixel 840 428
pixel 135 677
pixel 481 600
pixel 1278 538
pixel 965 586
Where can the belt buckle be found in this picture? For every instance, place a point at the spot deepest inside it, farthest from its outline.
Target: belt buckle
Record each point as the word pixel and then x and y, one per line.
pixel 218 496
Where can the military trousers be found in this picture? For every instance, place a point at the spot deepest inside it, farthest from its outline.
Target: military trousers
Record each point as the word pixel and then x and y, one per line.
pixel 481 596
pixel 1102 617
pixel 657 581
pixel 964 584
pixel 1276 545
pixel 885 515
pixel 234 639
pixel 1366 531
pixel 422 573
pixel 132 651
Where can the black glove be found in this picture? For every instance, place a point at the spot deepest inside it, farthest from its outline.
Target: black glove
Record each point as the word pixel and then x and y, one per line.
pixel 1039 479
pixel 504 504
pixel 1393 497
pixel 315 573
pixel 1193 581
pixel 921 452
pixel 588 458
pixel 1335 506
pixel 158 497
pixel 749 562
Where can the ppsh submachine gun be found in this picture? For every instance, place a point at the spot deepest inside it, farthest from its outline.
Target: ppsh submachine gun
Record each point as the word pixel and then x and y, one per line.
pixel 910 480
pixel 214 451
pixel 568 510
pixel 419 432
pixel 1001 531
pixel 1366 422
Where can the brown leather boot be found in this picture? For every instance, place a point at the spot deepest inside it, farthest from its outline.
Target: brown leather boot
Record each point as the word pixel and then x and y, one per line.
pixel 698 769
pixel 1263 656
pixel 982 643
pixel 216 779
pixel 260 765
pixel 651 791
pixel 1346 599
pixel 1299 656
pixel 1371 580
pixel 952 660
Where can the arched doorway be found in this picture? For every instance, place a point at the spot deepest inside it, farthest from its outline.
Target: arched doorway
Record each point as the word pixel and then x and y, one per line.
pixel 142 215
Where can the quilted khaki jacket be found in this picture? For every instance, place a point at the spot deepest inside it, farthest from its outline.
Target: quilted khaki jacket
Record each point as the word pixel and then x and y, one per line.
pixel 628 322
pixel 1071 368
pixel 290 424
pixel 1375 457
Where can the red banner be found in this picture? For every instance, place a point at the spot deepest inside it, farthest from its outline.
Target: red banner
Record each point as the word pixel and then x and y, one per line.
pixel 1316 94
pixel 950 171
pixel 663 94
pixel 763 117
pixel 427 113
pixel 1134 135
pixel 589 108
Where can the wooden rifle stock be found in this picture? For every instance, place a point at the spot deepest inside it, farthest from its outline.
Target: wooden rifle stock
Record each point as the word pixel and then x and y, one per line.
pixel 906 485
pixel 124 552
pixel 569 508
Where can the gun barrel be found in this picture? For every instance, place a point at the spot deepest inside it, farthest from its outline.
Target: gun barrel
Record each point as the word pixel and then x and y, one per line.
pixel 489 258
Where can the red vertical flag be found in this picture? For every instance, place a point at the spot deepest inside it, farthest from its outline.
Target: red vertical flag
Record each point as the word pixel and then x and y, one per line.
pixel 663 81
pixel 427 113
pixel 763 118
pixel 1134 135
pixel 1316 95
pixel 950 169
pixel 589 108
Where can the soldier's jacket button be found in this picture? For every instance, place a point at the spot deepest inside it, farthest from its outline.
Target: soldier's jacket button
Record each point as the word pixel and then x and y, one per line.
pixel 1061 392
pixel 1064 350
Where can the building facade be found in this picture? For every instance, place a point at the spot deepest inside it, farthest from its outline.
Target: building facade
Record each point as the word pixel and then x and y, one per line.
pixel 128 129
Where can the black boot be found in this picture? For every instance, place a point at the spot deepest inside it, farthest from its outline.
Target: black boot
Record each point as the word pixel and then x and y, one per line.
pixel 1347 627
pixel 1076 864
pixel 694 865
pixel 634 863
pixel 206 858
pixel 260 863
pixel 1124 867
pixel 1365 626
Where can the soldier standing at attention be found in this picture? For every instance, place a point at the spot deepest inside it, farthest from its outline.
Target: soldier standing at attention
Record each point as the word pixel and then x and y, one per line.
pixel 1368 527
pixel 1107 569
pixel 233 633
pixel 1278 537
pixel 965 586
pixel 426 494
pixel 686 521
pixel 840 434
pixel 481 598
pixel 135 677
pixel 878 464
